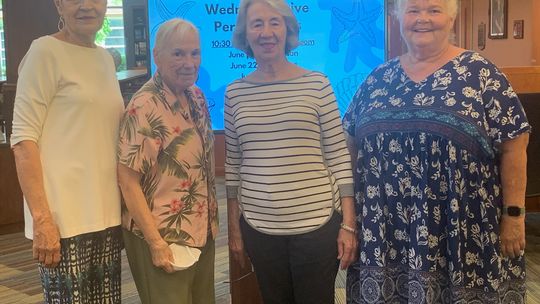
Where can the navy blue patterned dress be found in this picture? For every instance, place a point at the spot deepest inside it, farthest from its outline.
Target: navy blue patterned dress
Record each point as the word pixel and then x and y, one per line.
pixel 428 190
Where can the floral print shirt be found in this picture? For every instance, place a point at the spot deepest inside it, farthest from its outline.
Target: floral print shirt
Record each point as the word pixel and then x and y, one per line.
pixel 174 152
pixel 427 185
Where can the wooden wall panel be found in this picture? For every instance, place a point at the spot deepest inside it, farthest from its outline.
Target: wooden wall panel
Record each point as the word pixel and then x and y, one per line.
pixel 531 104
pixel 11 202
pixel 535 31
pixel 24 21
pixel 395 45
pixel 219 152
pixel 533 204
pixel 524 79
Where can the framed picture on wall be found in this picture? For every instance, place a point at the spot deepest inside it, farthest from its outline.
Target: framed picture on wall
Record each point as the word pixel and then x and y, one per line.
pixel 482 36
pixel 518 29
pixel 498 19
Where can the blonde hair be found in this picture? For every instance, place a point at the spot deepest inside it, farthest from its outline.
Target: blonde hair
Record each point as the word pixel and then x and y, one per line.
pixel 239 39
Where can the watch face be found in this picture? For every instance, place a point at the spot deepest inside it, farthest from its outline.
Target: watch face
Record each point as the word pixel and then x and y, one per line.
pixel 514 211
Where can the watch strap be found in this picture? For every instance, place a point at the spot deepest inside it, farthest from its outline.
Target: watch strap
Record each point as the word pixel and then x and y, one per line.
pixel 513 210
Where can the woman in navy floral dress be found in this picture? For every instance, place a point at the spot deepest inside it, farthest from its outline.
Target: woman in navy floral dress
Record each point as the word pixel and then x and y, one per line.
pixel 439 140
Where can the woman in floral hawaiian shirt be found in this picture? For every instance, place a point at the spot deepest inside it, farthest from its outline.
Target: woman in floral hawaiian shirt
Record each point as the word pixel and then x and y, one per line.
pixel 439 139
pixel 166 174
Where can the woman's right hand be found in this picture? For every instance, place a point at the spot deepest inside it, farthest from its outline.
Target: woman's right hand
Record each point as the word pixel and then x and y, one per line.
pixel 46 242
pixel 129 181
pixel 162 256
pixel 236 246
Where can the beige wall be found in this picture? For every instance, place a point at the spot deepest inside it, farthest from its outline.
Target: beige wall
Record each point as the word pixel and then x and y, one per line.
pixel 509 51
pixel 536 33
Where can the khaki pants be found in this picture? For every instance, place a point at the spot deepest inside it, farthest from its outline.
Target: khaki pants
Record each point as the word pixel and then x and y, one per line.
pixel 194 285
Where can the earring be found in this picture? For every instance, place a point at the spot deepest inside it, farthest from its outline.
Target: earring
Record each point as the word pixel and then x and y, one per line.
pixel 61 23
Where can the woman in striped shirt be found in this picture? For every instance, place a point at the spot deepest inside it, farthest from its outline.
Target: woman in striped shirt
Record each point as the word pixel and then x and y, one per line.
pixel 288 171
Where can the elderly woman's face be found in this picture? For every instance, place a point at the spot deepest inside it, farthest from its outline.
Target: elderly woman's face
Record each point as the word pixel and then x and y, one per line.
pixel 82 17
pixel 266 32
pixel 178 61
pixel 426 23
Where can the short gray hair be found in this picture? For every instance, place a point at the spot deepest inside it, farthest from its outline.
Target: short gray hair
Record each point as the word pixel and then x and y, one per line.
pixel 451 8
pixel 173 27
pixel 239 39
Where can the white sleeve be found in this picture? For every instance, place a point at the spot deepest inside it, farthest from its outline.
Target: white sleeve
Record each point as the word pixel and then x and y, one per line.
pixel 334 146
pixel 36 87
pixel 233 157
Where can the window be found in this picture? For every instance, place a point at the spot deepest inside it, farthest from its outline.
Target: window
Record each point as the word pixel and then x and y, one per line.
pixel 2 47
pixel 111 35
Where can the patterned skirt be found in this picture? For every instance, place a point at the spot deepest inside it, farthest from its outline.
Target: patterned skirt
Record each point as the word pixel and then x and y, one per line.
pixel 89 270
pixel 399 284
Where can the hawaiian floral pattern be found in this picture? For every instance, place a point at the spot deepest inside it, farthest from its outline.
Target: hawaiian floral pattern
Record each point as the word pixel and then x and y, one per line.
pixel 428 191
pixel 173 148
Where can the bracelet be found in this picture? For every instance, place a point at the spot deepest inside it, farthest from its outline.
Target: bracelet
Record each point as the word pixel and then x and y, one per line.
pixel 347 228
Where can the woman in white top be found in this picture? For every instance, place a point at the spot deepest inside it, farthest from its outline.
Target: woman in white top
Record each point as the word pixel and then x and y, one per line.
pixel 288 171
pixel 65 130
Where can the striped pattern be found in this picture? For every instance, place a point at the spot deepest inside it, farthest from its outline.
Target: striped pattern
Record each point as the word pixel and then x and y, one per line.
pixel 286 155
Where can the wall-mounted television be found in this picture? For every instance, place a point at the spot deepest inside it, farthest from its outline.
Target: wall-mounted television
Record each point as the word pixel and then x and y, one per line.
pixel 345 39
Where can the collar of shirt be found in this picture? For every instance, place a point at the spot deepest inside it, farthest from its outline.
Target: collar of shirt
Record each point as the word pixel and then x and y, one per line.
pixel 167 93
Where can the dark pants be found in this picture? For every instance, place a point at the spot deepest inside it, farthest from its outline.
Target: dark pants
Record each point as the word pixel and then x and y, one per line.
pixel 295 269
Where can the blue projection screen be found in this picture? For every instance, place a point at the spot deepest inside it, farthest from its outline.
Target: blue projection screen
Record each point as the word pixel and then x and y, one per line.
pixel 342 38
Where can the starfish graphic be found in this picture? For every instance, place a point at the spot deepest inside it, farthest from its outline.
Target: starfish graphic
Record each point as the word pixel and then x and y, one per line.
pixel 166 13
pixel 355 27
pixel 357 22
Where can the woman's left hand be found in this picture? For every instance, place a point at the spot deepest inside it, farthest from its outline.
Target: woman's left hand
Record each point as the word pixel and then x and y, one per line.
pixel 347 241
pixel 347 245
pixel 512 236
pixel 513 166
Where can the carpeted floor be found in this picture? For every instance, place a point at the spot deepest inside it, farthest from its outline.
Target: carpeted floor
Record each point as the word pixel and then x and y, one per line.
pixel 19 280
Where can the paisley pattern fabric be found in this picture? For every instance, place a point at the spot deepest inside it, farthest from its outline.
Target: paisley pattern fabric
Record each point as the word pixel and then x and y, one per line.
pixel 428 191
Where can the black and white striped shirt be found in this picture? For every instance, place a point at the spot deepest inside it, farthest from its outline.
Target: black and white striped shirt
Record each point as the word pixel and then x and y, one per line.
pixel 287 160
